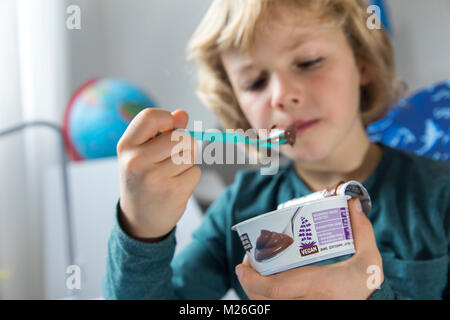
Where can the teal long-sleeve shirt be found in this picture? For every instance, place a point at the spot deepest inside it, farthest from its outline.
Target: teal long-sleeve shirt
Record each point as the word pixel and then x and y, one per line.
pixel 410 218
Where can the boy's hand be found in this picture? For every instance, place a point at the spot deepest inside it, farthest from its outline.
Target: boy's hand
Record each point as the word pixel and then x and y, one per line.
pixel 154 190
pixel 342 280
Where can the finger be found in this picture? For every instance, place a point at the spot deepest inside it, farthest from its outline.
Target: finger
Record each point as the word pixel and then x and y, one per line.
pixel 188 180
pixel 169 145
pixel 252 282
pixel 180 118
pixel 185 148
pixel 363 235
pixel 252 295
pixel 171 168
pixel 145 125
pixel 289 284
pixel 246 261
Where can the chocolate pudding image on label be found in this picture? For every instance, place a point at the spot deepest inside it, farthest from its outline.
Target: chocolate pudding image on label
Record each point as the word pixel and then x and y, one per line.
pixel 269 244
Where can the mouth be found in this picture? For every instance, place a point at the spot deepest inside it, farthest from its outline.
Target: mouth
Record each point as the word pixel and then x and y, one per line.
pixel 294 129
pixel 303 125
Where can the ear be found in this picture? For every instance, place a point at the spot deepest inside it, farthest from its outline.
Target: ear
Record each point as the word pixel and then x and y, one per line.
pixel 364 78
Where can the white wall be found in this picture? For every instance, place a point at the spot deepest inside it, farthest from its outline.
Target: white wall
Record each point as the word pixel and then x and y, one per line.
pixel 421 40
pixel 43 91
pixel 32 84
pixel 13 210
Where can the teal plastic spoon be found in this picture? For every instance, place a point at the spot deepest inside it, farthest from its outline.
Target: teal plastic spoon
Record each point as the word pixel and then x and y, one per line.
pixel 276 138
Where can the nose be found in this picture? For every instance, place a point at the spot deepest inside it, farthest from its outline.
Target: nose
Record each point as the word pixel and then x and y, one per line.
pixel 285 93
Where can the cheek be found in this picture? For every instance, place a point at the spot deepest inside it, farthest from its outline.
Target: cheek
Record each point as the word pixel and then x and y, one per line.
pixel 255 111
pixel 338 91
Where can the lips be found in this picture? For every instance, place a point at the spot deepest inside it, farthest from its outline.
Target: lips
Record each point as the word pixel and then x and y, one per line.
pixel 304 123
pixel 296 127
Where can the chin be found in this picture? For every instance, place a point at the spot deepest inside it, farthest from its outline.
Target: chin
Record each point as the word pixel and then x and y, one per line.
pixel 306 152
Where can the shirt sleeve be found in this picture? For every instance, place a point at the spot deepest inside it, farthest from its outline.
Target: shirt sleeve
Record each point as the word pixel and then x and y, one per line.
pixel 138 270
pixel 135 269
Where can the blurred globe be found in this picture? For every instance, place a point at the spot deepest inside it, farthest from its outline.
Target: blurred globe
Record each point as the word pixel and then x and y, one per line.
pixel 98 114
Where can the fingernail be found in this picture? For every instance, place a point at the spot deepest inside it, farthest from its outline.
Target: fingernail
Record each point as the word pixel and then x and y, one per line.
pixel 358 205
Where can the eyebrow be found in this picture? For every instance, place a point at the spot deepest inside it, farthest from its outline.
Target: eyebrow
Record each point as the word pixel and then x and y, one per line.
pixel 299 40
pixel 245 67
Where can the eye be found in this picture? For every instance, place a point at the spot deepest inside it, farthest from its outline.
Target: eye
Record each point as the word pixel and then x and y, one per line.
pixel 309 64
pixel 256 85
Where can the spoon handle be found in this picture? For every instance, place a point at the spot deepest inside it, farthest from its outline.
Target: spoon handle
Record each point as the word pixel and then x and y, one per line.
pixel 220 136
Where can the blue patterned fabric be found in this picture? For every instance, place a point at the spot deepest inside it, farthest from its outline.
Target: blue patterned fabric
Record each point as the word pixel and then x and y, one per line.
pixel 419 123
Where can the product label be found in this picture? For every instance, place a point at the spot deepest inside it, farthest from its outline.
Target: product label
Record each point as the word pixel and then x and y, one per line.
pixel 309 250
pixel 332 225
pixel 307 244
pixel 323 230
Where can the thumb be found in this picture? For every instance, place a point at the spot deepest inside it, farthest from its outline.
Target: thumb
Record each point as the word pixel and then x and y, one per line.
pixel 180 118
pixel 243 267
pixel 363 235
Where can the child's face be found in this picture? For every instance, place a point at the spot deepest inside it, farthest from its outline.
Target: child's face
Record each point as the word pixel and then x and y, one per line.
pixel 299 71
